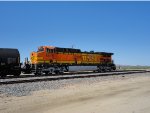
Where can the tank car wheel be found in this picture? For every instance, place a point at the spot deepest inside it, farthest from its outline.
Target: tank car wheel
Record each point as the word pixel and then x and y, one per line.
pixel 36 74
pixel 17 74
pixel 3 75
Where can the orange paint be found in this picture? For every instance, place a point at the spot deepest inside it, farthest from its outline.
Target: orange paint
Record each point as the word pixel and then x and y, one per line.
pixel 50 55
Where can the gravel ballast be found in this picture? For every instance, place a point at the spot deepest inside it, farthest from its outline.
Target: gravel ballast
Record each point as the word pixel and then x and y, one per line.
pixel 24 89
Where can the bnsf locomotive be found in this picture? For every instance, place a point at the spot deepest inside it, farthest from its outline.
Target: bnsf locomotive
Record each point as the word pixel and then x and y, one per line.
pixel 49 59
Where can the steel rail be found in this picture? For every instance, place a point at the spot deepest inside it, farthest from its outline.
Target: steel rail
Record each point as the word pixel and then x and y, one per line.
pixel 70 77
pixel 70 73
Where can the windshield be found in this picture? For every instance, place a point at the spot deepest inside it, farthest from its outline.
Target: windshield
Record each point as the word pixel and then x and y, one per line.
pixel 40 49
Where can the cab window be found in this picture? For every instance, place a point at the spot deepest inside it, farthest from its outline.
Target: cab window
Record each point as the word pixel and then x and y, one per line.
pixel 40 49
pixel 50 50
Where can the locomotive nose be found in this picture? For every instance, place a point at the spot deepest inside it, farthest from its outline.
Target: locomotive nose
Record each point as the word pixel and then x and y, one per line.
pixel 33 57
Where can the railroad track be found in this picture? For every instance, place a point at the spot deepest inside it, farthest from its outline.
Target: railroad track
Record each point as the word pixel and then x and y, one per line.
pixel 68 73
pixel 32 78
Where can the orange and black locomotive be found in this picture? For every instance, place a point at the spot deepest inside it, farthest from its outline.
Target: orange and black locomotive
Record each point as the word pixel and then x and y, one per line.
pixel 49 59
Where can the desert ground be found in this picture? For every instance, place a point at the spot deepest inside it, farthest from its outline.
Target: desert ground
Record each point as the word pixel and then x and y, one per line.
pixel 127 95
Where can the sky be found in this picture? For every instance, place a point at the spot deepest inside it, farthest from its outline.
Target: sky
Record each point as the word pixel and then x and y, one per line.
pixel 122 28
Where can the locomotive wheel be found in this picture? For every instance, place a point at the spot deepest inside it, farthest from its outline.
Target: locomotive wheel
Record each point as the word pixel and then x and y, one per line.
pixel 37 73
pixel 46 73
pixel 57 72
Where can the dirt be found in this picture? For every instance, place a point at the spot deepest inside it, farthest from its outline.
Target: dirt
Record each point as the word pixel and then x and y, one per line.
pixel 114 96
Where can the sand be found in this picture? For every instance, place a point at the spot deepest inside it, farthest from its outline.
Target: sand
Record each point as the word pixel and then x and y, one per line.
pixel 114 96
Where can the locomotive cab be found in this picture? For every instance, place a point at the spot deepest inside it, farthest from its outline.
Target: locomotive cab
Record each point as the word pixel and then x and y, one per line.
pixel 43 55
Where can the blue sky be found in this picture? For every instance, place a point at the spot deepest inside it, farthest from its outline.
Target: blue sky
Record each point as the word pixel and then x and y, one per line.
pixel 119 27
